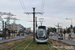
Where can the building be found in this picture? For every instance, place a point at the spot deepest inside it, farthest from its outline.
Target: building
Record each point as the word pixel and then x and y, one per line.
pixel 16 27
pixel 28 29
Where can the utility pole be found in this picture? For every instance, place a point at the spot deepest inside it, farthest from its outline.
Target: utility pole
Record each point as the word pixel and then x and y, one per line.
pixel 9 17
pixel 14 20
pixel 14 24
pixel 58 28
pixel 33 21
pixel 36 21
pixel 3 30
pixel 71 29
pixel 34 24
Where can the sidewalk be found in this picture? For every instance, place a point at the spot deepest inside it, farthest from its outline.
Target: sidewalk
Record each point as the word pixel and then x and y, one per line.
pixel 66 41
pixel 19 37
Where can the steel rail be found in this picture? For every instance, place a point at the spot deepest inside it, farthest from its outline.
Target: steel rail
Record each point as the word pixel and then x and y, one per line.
pixel 21 43
pixel 49 47
pixel 27 45
pixel 38 47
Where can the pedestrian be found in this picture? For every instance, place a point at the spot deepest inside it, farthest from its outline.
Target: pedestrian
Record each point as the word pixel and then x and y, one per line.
pixel 57 34
pixel 70 36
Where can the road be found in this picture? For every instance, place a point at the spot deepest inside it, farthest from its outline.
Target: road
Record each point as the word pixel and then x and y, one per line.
pixel 66 41
pixel 18 37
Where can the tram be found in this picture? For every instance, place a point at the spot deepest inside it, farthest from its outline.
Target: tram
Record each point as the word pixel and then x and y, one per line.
pixel 41 34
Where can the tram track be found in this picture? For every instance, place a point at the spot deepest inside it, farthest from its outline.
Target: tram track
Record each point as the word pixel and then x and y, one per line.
pixel 38 47
pixel 27 45
pixel 47 45
pixel 21 43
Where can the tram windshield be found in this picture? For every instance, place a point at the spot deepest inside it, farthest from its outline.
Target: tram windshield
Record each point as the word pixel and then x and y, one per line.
pixel 41 32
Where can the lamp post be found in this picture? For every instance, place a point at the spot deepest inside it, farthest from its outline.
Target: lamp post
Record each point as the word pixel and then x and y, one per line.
pixel 69 19
pixel 61 29
pixel 58 26
pixel 71 26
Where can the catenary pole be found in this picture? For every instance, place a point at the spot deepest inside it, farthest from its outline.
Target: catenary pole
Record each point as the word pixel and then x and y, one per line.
pixel 33 24
pixel 33 21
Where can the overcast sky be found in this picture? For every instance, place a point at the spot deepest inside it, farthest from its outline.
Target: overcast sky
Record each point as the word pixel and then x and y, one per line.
pixel 55 11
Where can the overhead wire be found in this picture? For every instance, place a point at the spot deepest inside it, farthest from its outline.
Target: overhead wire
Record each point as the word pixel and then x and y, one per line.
pixel 42 5
pixel 24 8
pixel 22 4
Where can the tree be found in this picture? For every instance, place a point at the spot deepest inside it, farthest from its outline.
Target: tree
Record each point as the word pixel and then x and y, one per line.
pixel 60 30
pixel 71 26
pixel 74 29
pixel 9 33
pixel 54 29
pixel 68 30
pixel 64 31
pixel 48 31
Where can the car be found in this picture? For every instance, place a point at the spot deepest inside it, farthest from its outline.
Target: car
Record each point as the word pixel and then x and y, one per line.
pixel 50 34
pixel 60 36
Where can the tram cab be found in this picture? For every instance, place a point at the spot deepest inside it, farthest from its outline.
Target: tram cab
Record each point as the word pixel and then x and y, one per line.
pixel 41 34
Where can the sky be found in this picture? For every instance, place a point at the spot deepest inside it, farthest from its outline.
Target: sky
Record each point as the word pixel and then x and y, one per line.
pixel 55 11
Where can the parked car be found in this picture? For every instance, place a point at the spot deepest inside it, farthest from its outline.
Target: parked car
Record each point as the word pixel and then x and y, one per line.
pixel 60 36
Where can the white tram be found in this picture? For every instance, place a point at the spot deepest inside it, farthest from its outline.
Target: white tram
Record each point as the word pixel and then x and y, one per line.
pixel 41 34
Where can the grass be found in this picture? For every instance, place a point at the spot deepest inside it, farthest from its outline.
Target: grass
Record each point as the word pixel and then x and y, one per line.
pixel 18 42
pixel 53 48
pixel 32 46
pixel 0 49
pixel 43 47
pixel 12 47
pixel 63 43
pixel 21 47
pixel 60 43
pixel 63 49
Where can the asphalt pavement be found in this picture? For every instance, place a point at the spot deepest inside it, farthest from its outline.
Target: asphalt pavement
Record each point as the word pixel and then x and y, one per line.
pixel 18 37
pixel 66 41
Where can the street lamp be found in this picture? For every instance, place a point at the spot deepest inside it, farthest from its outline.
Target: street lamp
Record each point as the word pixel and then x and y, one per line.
pixel 69 19
pixel 59 26
pixel 71 26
